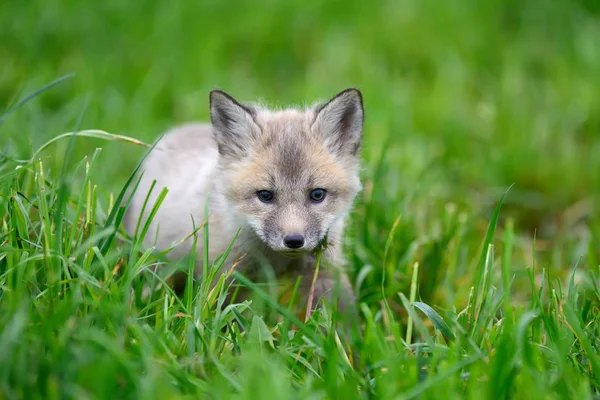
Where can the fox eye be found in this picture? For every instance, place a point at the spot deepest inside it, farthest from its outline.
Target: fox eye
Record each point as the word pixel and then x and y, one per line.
pixel 318 195
pixel 265 196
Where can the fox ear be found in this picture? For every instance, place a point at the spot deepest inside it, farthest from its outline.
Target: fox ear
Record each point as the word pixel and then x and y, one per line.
pixel 233 124
pixel 340 122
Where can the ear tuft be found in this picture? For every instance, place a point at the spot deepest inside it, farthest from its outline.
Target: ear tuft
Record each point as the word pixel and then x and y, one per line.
pixel 233 123
pixel 340 122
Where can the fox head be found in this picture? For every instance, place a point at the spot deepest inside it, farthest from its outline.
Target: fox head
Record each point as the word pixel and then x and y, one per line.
pixel 290 175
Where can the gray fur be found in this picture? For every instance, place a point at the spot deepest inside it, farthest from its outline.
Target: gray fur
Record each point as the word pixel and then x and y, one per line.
pixel 246 149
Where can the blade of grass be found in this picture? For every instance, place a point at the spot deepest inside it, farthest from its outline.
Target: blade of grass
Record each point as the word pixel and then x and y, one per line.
pixel 435 318
pixel 33 95
pixel 117 212
pixel 413 297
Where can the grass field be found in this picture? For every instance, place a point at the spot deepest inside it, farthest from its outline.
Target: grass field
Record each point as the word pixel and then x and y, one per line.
pixel 458 297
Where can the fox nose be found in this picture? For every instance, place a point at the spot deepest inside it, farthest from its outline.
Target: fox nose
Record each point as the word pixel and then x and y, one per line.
pixel 294 241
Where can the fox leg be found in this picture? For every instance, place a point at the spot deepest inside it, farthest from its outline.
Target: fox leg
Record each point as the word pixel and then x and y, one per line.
pixel 332 285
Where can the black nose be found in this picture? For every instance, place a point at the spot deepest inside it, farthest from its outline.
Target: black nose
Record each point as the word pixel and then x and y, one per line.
pixel 294 241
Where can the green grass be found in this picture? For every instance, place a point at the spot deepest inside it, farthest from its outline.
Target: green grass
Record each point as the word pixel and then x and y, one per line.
pixel 459 296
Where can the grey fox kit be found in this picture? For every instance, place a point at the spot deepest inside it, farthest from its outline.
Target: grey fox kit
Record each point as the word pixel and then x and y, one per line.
pixel 286 179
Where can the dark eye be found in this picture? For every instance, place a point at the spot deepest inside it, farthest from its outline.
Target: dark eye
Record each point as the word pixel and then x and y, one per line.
pixel 265 196
pixel 317 195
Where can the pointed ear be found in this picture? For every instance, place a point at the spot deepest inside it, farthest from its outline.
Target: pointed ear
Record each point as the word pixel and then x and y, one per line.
pixel 233 124
pixel 340 122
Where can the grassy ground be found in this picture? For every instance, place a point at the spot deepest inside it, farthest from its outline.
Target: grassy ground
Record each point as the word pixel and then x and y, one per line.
pixel 463 99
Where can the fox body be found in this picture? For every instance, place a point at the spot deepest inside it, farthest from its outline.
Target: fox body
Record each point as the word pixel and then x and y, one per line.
pixel 286 179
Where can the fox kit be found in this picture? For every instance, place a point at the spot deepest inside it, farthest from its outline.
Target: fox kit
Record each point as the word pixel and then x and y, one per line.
pixel 286 179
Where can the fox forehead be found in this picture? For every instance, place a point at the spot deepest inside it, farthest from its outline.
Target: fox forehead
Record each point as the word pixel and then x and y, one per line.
pixel 287 156
pixel 288 164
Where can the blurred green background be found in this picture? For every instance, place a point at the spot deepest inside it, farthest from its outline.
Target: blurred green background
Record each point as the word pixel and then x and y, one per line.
pixel 463 98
